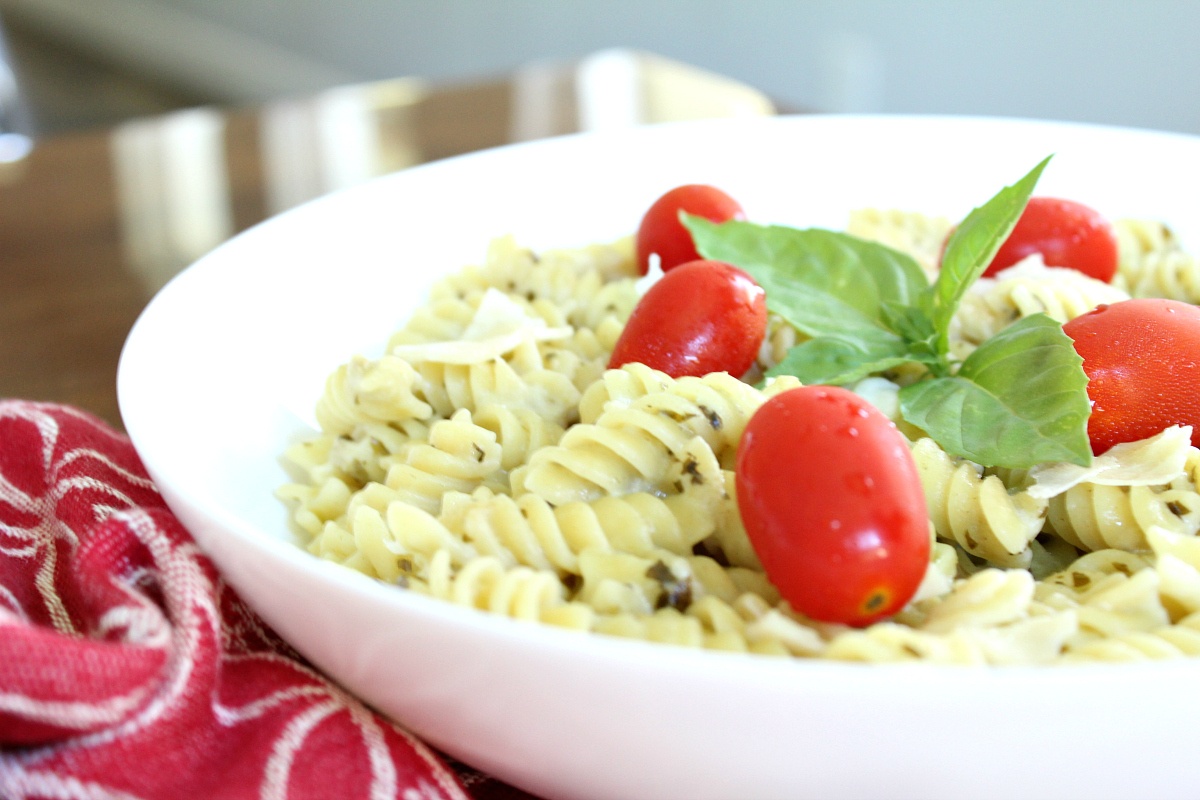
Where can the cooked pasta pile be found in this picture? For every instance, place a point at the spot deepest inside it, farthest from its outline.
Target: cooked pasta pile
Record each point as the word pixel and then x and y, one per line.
pixel 490 459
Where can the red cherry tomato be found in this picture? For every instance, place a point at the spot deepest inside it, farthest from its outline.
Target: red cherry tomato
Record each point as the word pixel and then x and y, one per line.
pixel 1142 359
pixel 701 317
pixel 661 231
pixel 1066 233
pixel 833 504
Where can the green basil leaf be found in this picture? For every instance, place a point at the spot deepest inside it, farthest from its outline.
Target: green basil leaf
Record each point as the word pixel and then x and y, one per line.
pixel 915 327
pixel 1020 399
pixel 838 360
pixel 907 321
pixel 971 248
pixel 816 312
pixel 846 344
pixel 860 274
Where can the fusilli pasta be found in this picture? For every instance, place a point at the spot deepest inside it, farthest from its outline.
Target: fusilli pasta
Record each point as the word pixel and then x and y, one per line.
pixel 490 458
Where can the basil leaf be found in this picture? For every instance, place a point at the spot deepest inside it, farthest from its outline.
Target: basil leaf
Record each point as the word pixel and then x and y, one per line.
pixel 838 360
pixel 816 312
pixel 915 327
pixel 971 248
pixel 1020 399
pixel 861 274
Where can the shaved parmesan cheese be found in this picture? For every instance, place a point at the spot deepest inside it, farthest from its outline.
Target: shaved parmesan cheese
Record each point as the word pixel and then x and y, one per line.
pixel 653 275
pixel 1149 462
pixel 499 326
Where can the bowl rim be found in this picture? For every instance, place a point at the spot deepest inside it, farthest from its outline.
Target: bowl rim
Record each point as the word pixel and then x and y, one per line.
pixel 546 636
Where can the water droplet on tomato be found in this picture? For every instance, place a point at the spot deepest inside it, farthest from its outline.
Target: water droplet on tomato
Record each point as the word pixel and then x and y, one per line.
pixel 860 484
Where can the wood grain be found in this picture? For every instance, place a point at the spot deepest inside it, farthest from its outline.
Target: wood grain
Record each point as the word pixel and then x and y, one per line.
pixel 71 288
pixel 66 302
pixel 68 293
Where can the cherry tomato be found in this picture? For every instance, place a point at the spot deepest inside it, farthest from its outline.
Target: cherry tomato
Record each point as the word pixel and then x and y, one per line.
pixel 661 231
pixel 832 502
pixel 1066 233
pixel 1142 359
pixel 701 317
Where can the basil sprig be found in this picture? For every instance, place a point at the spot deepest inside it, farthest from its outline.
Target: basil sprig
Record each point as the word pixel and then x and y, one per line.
pixel 1018 400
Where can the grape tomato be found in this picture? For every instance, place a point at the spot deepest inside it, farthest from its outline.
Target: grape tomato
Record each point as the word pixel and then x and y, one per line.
pixel 1066 233
pixel 1142 359
pixel 832 502
pixel 662 232
pixel 702 317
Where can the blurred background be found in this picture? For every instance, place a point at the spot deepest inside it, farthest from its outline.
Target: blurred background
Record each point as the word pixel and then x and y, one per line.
pixel 275 102
pixel 1128 62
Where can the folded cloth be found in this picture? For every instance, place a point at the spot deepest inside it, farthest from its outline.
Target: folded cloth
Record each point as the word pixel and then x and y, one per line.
pixel 129 669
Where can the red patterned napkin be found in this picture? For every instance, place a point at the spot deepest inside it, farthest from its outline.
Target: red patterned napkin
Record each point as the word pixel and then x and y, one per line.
pixel 128 669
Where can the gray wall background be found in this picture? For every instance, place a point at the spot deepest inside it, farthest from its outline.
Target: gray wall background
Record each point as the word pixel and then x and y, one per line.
pixel 1130 62
pixel 1125 62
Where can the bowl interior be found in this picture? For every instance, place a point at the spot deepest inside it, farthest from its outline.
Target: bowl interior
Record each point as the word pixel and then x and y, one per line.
pixel 224 367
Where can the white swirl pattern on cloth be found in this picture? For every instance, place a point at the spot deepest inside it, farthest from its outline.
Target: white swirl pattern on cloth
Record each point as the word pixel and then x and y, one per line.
pixel 129 669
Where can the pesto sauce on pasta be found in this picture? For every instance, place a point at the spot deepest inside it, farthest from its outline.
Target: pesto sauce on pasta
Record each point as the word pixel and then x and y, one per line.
pixel 499 465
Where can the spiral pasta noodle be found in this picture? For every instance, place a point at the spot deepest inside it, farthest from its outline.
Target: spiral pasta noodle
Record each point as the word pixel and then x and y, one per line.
pixel 442 320
pixel 1035 640
pixel 475 386
pixel 529 529
pixel 634 447
pixel 1171 641
pixel 458 457
pixel 976 511
pixel 1172 274
pixel 1095 517
pixel 363 391
pixel 1152 263
pixel 485 583
pixel 988 598
pixel 919 235
pixel 705 626
pixel 1062 294
pixel 491 459
pixel 1138 237
pixel 620 387
pixel 520 432
pixel 584 284
pixel 781 337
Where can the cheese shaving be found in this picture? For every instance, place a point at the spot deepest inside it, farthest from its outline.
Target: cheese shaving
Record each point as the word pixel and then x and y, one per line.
pixel 1149 462
pixel 499 326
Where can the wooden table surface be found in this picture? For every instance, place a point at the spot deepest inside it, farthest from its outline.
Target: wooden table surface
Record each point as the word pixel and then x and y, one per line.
pixel 93 223
pixel 65 301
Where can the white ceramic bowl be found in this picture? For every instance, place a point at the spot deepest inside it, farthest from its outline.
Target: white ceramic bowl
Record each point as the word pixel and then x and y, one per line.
pixel 227 362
